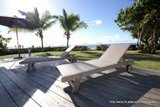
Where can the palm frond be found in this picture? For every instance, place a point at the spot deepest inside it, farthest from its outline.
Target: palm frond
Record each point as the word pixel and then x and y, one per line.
pixel 55 17
pixel 79 25
pixel 46 16
pixel 82 24
pixel 65 20
pixel 36 16
pixel 65 13
pixel 48 25
pixel 22 13
pixel 46 20
pixel 62 22
pixel 70 22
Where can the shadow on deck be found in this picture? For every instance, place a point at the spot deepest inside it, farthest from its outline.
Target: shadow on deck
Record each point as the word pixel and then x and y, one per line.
pixel 110 88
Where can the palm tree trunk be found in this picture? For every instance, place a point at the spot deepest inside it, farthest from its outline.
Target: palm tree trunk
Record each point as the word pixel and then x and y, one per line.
pixel 139 39
pixel 67 42
pixel 41 37
pixel 68 36
pixel 154 42
pixel 42 42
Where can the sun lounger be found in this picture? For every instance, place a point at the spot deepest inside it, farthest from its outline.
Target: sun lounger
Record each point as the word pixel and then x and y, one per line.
pixel 65 55
pixel 111 58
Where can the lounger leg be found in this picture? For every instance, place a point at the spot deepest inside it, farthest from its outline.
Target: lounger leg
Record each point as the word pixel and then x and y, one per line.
pixel 30 67
pixel 75 84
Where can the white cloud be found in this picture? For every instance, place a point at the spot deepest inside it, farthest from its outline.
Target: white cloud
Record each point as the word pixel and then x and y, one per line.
pixel 95 22
pixel 98 22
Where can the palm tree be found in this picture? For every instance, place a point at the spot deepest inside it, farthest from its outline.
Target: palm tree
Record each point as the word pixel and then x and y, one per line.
pixel 44 22
pixel 70 23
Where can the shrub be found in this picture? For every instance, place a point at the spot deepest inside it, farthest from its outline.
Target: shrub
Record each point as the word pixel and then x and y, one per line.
pixel 98 47
pixel 133 47
pixel 102 47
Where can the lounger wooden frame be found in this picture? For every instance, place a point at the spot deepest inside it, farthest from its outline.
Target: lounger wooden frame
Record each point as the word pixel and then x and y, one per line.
pixel 112 58
pixel 65 55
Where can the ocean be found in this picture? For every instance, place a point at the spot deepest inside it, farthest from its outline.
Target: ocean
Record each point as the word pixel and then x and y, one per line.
pixel 92 46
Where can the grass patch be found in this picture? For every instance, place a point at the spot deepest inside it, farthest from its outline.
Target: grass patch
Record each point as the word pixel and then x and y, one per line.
pixel 141 60
pixel 87 55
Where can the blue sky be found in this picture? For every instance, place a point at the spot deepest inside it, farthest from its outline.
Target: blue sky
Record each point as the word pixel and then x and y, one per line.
pixel 98 14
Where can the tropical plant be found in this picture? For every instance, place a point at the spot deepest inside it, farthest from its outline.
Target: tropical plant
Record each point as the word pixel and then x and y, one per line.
pixel 70 23
pixel 3 42
pixel 142 19
pixel 43 23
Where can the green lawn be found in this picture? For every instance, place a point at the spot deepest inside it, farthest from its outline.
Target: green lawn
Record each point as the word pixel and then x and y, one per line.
pixel 144 60
pixel 140 60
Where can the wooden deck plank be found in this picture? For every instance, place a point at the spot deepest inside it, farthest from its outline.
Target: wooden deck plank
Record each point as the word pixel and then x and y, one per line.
pixel 8 63
pixel 128 81
pixel 93 95
pixel 99 90
pixel 18 95
pixel 152 91
pixel 109 98
pixel 128 88
pixel 62 85
pixel 142 85
pixel 90 95
pixel 74 99
pixel 144 79
pixel 47 76
pixel 140 105
pixel 32 90
pixel 59 84
pixel 5 99
pixel 112 93
pixel 118 90
pixel 82 101
pixel 135 86
pixel 52 90
pixel 125 89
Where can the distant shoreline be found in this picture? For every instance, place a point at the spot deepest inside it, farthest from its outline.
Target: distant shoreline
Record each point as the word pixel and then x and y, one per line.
pixel 91 46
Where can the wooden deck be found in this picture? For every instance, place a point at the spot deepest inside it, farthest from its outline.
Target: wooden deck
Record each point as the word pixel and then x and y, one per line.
pixel 113 88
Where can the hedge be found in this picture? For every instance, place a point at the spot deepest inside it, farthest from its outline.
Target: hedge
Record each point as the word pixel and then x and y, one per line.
pixel 81 48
